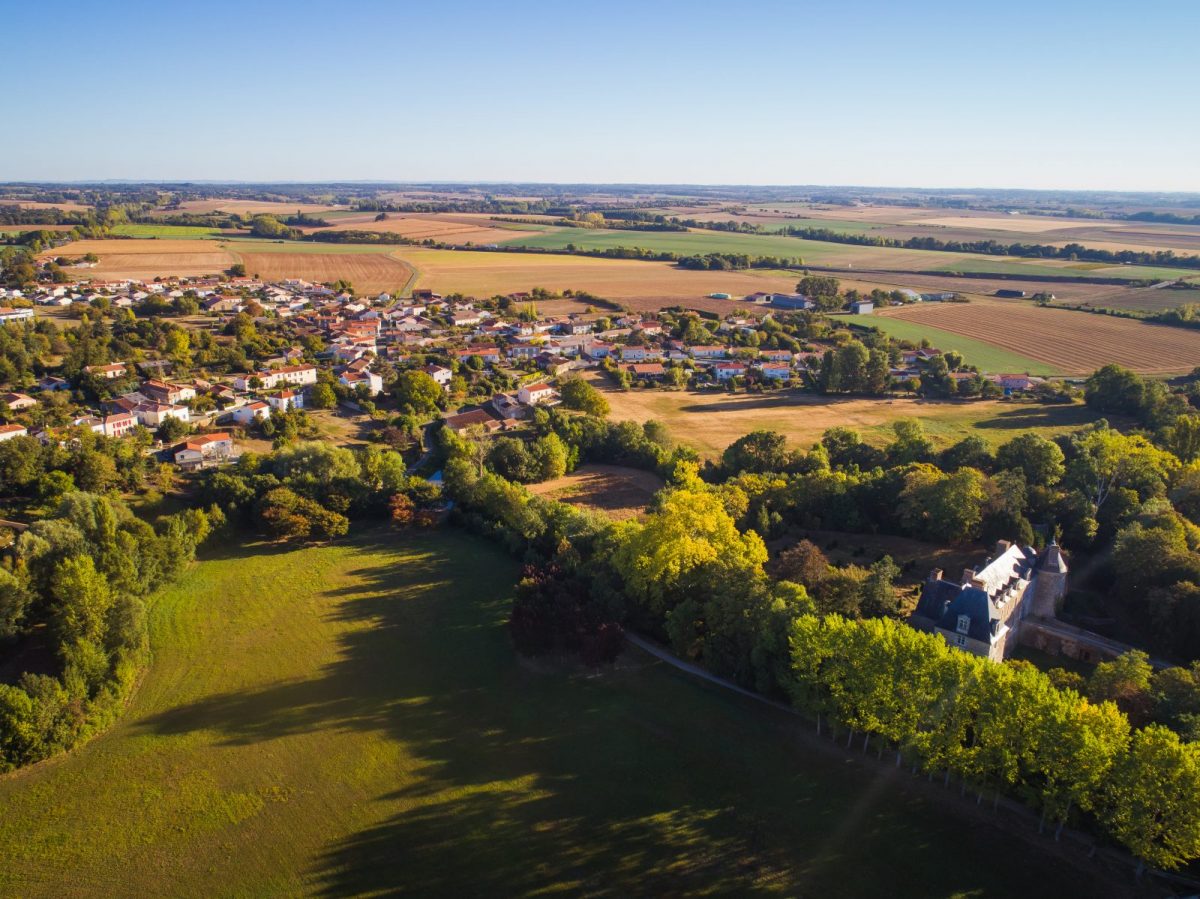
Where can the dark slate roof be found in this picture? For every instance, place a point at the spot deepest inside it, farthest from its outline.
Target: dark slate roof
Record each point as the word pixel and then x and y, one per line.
pixel 974 603
pixel 935 596
pixel 1052 560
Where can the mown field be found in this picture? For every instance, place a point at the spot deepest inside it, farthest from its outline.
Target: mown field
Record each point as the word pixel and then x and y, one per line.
pixel 989 358
pixel 710 420
pixel 370 273
pixel 1076 343
pixel 147 259
pixel 350 720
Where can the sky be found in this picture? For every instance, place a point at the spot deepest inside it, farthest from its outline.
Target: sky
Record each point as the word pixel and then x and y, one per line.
pixel 1027 93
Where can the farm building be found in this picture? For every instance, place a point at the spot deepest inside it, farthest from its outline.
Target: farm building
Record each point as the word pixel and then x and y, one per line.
pixel 791 301
pixel 1010 294
pixel 862 307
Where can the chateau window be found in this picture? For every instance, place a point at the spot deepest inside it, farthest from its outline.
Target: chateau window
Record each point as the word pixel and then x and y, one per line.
pixel 960 640
pixel 964 623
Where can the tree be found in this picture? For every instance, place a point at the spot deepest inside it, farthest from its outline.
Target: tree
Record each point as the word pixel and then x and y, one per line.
pixel 579 394
pixel 322 396
pixel 911 444
pixel 879 591
pixel 1126 681
pixel 1106 461
pixel 81 599
pixel 803 563
pixel 1154 798
pixel 688 539
pixel 417 391
pixel 1183 438
pixel 15 599
pixel 757 453
pixel 943 507
pixel 1040 460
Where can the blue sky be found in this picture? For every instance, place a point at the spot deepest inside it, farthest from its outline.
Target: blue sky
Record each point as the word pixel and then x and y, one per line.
pixel 1064 94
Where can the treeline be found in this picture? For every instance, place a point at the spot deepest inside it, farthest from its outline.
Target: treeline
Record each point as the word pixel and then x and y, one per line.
pixel 73 587
pixel 16 215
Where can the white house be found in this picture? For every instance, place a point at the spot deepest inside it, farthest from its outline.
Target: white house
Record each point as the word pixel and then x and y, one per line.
pixel 533 394
pixel 8 432
pixel 255 411
pixel 369 379
pixel 726 370
pixel 9 314
pixel 205 449
pixel 439 373
pixel 296 375
pixel 286 399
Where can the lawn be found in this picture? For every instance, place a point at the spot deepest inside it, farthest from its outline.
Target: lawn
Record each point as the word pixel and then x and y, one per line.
pixel 350 719
pixel 990 359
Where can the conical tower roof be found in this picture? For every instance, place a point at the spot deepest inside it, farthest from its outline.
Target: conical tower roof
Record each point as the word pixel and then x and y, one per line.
pixel 1052 559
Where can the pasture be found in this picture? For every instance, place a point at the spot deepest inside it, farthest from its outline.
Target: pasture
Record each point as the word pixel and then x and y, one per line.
pixel 616 491
pixel 168 232
pixel 710 420
pixel 1076 343
pixel 350 719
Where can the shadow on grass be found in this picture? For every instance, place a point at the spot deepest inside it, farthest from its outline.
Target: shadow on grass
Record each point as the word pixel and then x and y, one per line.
pixel 1025 418
pixel 627 783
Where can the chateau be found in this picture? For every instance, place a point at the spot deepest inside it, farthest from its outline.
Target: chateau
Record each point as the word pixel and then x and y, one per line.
pixel 983 610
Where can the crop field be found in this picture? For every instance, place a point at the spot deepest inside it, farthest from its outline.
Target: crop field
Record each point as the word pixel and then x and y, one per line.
pixel 1076 343
pixel 641 285
pixel 147 259
pixel 350 719
pixel 710 420
pixel 832 255
pixel 420 227
pixel 617 491
pixel 368 272
pixel 988 357
pixel 36 204
pixel 246 207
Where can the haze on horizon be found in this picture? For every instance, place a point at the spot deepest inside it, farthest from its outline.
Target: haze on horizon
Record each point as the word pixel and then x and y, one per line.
pixel 933 94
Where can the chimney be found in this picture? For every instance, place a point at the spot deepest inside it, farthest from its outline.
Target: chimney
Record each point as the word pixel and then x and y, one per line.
pixel 1002 547
pixel 978 582
pixel 936 574
pixel 968 575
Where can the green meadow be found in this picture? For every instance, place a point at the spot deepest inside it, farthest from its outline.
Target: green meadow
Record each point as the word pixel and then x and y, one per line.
pixel 350 719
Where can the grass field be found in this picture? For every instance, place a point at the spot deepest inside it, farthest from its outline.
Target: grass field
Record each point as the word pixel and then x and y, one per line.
pixel 351 720
pixel 1076 343
pixel 988 357
pixel 710 420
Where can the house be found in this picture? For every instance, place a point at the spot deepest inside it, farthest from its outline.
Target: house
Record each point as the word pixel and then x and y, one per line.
pixel 50 382
pixel 286 400
pixel 982 612
pixel 251 412
pixel 107 372
pixel 439 373
pixel 368 379
pixel 536 394
pixel 18 401
pixel 634 353
pixel 487 354
pixel 726 370
pixel 206 449
pixel 8 432
pixel 118 424
pixel 162 392
pixel 650 371
pixel 1011 384
pixel 708 352
pixel 862 307
pixel 296 375
pixel 152 415
pixel 9 314
pixel 775 371
pixel 474 418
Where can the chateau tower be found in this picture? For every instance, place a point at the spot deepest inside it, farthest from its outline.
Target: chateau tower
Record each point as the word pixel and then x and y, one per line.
pixel 1050 583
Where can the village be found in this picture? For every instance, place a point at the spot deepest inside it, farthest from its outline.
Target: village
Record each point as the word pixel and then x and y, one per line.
pixel 366 342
